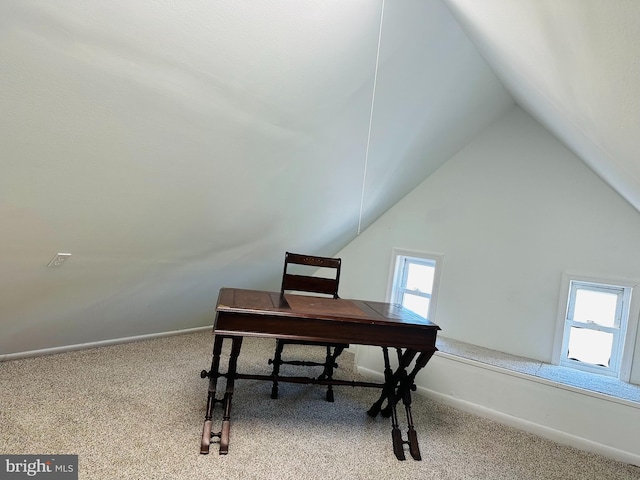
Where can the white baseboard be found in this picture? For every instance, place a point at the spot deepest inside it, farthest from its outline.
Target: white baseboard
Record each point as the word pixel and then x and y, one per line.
pixel 102 343
pixel 520 423
pixel 530 427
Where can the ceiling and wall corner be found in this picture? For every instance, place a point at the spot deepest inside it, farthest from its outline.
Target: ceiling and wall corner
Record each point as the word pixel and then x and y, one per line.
pixel 573 65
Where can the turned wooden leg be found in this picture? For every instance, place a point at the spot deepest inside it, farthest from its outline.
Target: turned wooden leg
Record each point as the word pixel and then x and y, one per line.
pixel 226 425
pixel 231 378
pixel 388 387
pixel 406 386
pixel 330 365
pixel 213 376
pixel 277 361
pixel 396 435
pixel 206 437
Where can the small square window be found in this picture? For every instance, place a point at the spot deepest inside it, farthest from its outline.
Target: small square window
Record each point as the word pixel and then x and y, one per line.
pixel 414 281
pixel 593 327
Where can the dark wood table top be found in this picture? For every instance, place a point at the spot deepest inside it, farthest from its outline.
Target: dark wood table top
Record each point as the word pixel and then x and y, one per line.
pixel 309 318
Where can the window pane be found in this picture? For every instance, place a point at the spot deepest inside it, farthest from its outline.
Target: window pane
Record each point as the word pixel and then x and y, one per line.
pixel 595 307
pixel 590 346
pixel 419 305
pixel 420 277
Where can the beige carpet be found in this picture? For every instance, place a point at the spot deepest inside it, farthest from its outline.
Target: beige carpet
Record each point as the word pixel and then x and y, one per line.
pixel 135 411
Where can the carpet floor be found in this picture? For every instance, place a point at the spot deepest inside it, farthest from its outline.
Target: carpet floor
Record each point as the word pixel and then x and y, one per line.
pixel 135 411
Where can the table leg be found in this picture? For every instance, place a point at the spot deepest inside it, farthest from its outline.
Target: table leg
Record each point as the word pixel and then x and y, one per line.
pixel 387 388
pixel 236 344
pixel 396 435
pixel 388 393
pixel 213 375
pixel 277 361
pixel 398 386
pixel 329 366
pixel 407 385
pixel 391 380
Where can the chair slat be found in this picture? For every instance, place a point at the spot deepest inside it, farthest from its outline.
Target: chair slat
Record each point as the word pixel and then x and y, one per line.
pixel 308 283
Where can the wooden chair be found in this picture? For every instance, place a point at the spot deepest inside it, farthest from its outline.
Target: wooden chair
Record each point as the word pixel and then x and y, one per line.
pixel 327 286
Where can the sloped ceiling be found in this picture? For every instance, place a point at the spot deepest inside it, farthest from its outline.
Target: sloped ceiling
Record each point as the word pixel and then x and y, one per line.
pixel 177 147
pixel 574 65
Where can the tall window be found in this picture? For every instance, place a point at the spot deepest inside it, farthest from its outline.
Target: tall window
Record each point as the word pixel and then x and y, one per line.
pixel 595 326
pixel 414 281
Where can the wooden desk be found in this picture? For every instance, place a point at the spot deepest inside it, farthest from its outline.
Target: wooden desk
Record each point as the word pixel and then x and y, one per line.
pixel 241 313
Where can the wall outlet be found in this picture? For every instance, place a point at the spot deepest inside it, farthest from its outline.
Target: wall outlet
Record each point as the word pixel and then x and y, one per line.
pixel 58 260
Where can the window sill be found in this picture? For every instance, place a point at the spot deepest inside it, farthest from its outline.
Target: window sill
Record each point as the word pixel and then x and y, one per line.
pixel 585 382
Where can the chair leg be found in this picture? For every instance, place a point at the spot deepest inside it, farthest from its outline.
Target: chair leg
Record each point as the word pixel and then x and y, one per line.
pixel 328 370
pixel 329 366
pixel 277 361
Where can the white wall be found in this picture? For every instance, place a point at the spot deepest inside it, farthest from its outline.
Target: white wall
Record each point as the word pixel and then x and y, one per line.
pixel 178 147
pixel 510 213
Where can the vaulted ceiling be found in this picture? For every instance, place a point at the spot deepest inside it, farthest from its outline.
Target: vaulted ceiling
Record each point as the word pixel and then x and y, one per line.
pixel 176 147
pixel 574 66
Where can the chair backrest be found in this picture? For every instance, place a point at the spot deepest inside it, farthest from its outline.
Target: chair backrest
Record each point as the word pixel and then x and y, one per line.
pixel 308 283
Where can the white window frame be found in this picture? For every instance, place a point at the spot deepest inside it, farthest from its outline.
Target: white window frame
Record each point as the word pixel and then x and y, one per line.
pixel 396 274
pixel 624 333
